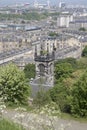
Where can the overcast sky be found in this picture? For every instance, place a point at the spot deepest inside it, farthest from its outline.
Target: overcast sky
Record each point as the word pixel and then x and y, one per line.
pixel 54 2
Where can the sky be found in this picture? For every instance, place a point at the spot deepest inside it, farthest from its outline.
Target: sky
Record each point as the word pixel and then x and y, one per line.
pixel 53 2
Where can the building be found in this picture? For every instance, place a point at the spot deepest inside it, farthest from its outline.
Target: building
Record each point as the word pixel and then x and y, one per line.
pixel 44 61
pixel 62 5
pixel 64 20
pixel 78 24
pixel 44 66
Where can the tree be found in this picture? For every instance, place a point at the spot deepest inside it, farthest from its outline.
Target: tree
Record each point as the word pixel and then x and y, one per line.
pixel 84 52
pixel 29 71
pixel 53 34
pixel 70 60
pixel 59 94
pixel 79 97
pixel 13 85
pixel 63 70
pixel 82 29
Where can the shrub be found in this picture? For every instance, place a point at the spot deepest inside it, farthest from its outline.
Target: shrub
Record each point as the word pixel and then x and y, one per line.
pixel 13 85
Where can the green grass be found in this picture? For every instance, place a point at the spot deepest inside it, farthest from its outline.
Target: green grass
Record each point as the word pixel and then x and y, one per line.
pixel 7 125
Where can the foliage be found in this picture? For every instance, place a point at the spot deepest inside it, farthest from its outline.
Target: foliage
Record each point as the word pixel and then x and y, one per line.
pixel 42 98
pixel 13 85
pixel 46 13
pixel 34 15
pixel 59 94
pixel 63 70
pixel 84 52
pixel 26 16
pixel 7 125
pixel 70 60
pixel 71 86
pixel 50 109
pixel 82 29
pixel 82 63
pixel 29 71
pixel 52 34
pixel 79 97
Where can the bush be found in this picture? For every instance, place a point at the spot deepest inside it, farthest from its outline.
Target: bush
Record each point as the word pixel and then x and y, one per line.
pixel 82 29
pixel 59 94
pixel 13 85
pixel 42 98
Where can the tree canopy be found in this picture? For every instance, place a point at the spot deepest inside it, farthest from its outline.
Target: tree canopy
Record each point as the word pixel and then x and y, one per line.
pixel 63 70
pixel 82 29
pixel 13 85
pixel 59 94
pixel 29 71
pixel 53 34
pixel 79 97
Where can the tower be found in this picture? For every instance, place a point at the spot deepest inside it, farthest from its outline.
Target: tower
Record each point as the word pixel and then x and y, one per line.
pixel 36 4
pixel 48 4
pixel 62 5
pixel 45 65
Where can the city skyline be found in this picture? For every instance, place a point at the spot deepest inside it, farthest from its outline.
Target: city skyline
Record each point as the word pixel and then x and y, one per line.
pixel 53 2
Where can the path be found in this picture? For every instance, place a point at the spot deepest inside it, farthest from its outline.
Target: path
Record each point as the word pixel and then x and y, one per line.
pixel 33 121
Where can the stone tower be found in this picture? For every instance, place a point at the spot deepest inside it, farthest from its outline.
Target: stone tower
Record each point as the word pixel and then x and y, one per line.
pixel 44 61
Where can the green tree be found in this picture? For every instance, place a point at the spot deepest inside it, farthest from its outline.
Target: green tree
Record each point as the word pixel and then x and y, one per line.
pixel 13 85
pixel 84 52
pixel 53 34
pixel 82 29
pixel 59 94
pixel 29 71
pixel 63 70
pixel 79 97
pixel 70 60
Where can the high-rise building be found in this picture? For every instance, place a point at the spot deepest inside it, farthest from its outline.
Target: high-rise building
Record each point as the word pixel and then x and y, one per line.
pixel 62 5
pixel 64 20
pixel 48 3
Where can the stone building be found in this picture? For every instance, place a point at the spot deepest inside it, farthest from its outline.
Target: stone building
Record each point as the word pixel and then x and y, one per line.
pixel 44 60
pixel 45 64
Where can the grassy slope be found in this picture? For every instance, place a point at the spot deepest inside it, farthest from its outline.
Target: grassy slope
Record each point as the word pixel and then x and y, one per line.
pixel 6 125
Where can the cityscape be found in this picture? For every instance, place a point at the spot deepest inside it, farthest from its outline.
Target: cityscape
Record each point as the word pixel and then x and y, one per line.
pixel 43 47
pixel 24 32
